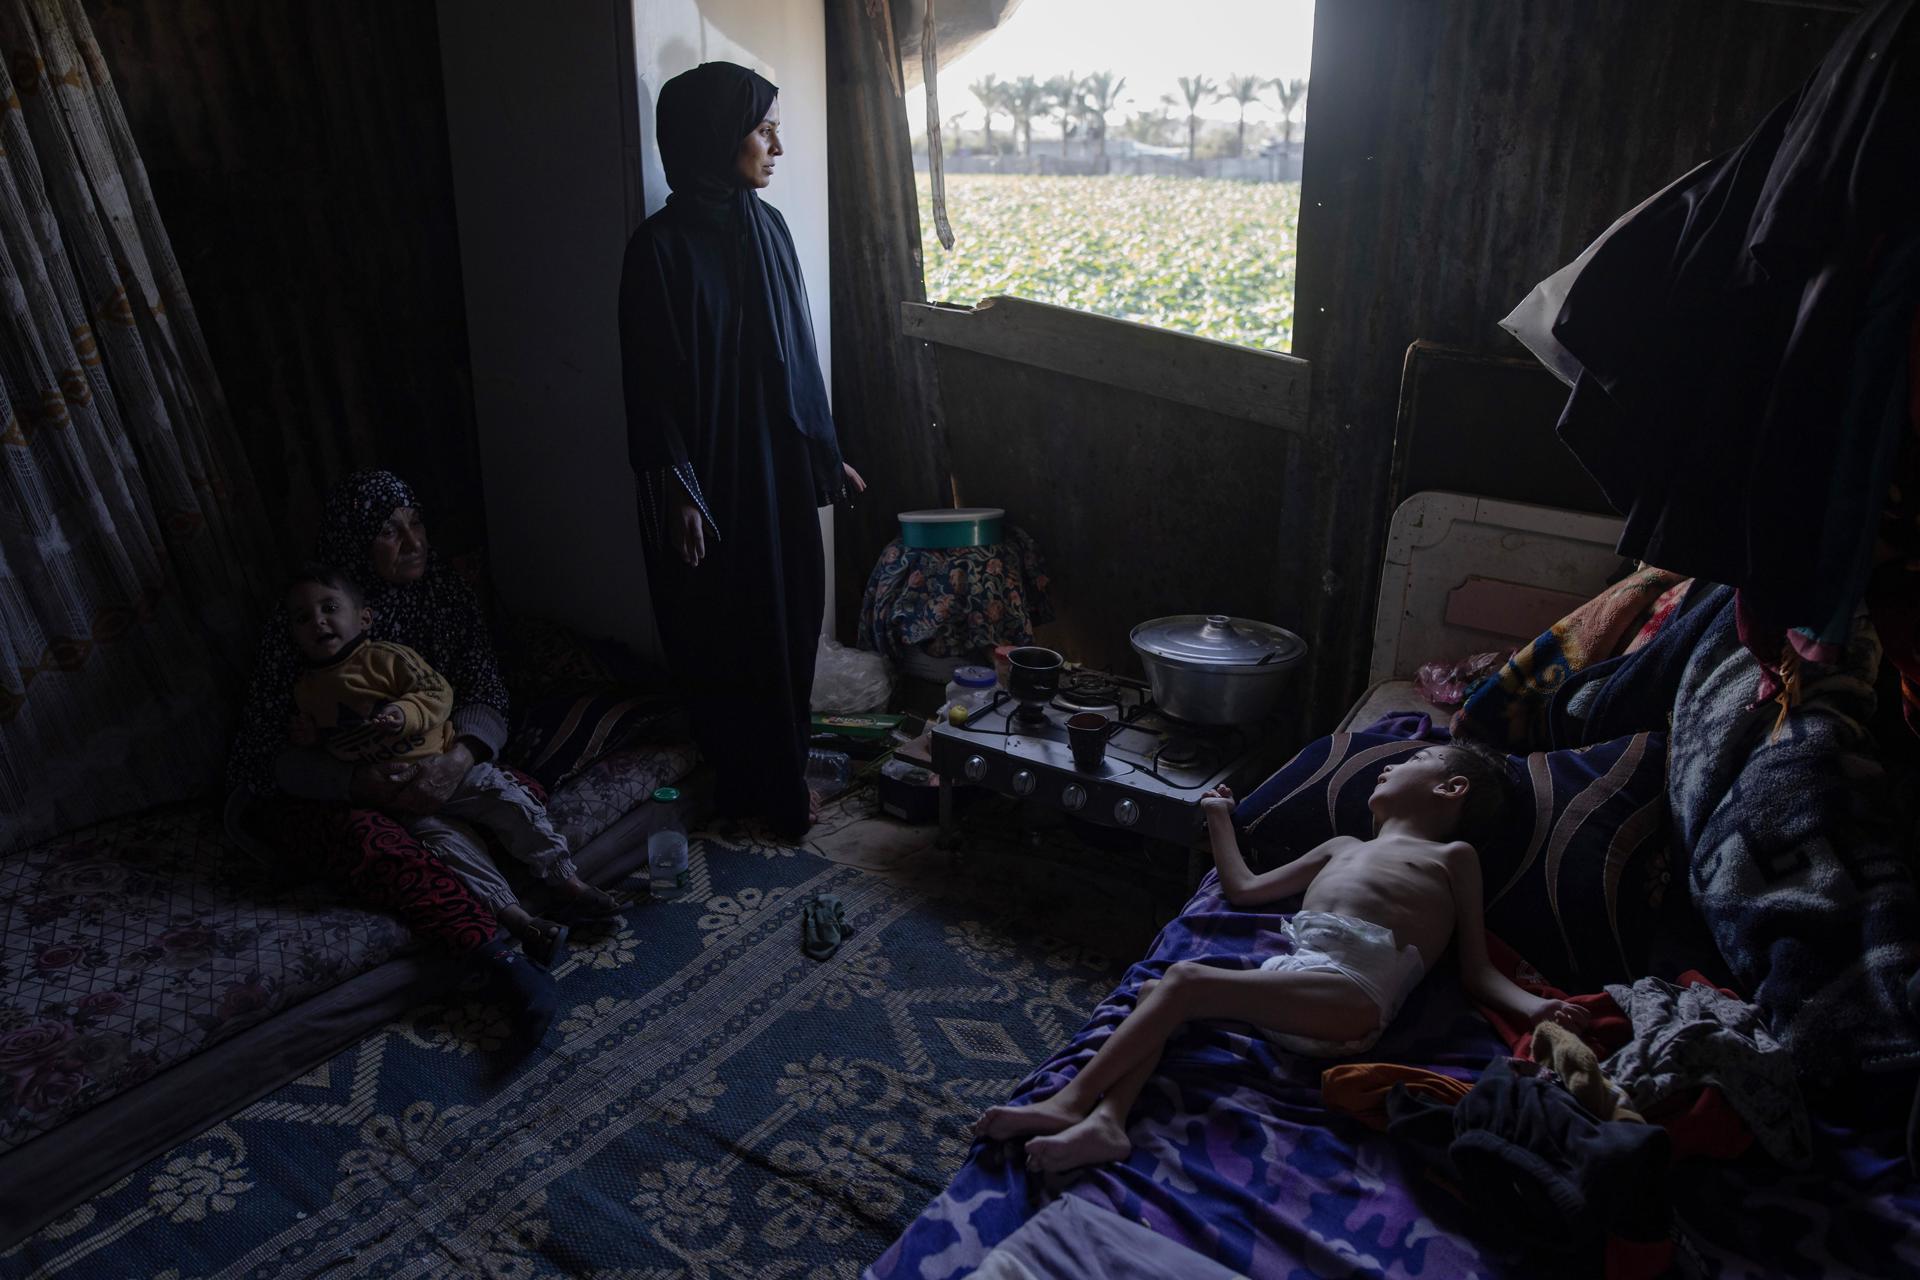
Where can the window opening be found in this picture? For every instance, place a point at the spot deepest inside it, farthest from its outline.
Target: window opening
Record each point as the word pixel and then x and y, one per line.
pixel 1161 186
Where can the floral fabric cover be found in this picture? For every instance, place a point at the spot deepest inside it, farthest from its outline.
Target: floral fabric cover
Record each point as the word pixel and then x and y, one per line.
pixel 129 946
pixel 955 603
pixel 612 787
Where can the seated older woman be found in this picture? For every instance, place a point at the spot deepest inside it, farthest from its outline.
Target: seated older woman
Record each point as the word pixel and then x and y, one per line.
pixel 347 820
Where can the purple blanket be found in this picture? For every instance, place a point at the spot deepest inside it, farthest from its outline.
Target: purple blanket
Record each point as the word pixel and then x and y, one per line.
pixel 1236 1157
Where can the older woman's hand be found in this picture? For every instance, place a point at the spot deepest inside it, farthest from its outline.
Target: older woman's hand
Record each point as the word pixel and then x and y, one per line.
pixel 436 779
pixel 379 786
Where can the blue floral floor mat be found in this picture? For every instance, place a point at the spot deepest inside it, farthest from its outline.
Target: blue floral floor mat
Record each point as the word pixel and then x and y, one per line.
pixel 710 1103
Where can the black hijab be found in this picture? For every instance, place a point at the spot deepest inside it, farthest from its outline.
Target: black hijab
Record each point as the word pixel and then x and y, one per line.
pixel 701 118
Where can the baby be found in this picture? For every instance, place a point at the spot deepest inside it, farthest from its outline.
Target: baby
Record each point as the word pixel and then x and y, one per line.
pixel 371 700
pixel 1375 917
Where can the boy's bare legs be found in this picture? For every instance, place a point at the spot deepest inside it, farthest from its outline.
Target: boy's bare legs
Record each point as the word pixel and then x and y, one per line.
pixel 1099 1137
pixel 1320 1006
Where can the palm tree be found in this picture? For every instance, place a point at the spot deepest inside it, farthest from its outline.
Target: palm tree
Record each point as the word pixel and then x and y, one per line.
pixel 953 133
pixel 1293 93
pixel 1099 95
pixel 1063 99
pixel 1024 99
pixel 991 93
pixel 1153 127
pixel 1194 88
pixel 1241 89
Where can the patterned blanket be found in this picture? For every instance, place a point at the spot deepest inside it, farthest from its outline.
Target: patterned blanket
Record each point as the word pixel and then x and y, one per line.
pixel 1508 708
pixel 1237 1157
pixel 1795 860
pixel 1794 857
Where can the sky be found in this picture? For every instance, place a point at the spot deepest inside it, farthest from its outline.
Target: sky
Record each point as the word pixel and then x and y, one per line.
pixel 1150 42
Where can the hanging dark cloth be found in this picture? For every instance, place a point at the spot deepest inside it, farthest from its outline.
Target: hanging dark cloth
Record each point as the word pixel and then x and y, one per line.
pixel 724 395
pixel 1744 345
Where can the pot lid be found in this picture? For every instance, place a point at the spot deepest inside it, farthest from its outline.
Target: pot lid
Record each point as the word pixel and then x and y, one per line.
pixel 1218 640
pixel 952 515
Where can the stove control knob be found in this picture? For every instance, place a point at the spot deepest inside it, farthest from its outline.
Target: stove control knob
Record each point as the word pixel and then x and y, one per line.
pixel 1074 797
pixel 1024 782
pixel 1126 813
pixel 976 768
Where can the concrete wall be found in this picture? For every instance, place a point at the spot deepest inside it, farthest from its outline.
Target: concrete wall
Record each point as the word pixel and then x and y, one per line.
pixel 550 118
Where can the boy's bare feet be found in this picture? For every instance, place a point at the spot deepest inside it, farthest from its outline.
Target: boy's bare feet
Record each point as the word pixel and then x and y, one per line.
pixel 580 901
pixel 1048 1116
pixel 1098 1139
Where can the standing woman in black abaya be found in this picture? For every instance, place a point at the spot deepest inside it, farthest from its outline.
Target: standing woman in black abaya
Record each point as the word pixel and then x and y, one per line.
pixel 732 445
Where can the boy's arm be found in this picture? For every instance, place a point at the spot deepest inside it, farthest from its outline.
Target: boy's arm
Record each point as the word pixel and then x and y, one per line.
pixel 422 694
pixel 1238 881
pixel 1484 983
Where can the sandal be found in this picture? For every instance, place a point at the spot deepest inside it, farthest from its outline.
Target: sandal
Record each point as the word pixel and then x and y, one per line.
pixel 547 947
pixel 823 925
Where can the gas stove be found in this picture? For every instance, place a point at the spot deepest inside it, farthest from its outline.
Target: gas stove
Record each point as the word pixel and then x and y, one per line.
pixel 1156 770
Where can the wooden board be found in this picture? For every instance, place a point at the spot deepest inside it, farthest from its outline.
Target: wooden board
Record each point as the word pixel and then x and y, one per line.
pixel 1220 377
pixel 1142 506
pixel 1460 409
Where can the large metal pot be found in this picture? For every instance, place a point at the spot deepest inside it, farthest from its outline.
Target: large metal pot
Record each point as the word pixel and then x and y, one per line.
pixel 1212 669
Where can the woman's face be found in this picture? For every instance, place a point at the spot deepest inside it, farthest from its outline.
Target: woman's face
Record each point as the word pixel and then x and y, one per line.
pixel 754 161
pixel 399 550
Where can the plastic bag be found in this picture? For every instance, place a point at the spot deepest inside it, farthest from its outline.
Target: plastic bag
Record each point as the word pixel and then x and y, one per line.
pixel 849 680
pixel 1445 684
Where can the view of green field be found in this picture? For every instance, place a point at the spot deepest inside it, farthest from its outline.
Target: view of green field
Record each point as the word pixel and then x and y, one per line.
pixel 1200 255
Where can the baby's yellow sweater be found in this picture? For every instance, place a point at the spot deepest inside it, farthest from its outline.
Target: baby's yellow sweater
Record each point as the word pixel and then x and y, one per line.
pixel 343 696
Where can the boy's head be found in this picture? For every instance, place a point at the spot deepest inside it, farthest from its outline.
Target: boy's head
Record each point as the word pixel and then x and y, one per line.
pixel 324 612
pixel 1460 787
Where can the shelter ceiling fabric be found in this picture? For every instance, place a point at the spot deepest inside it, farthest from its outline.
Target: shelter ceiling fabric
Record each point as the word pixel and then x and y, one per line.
pixel 124 509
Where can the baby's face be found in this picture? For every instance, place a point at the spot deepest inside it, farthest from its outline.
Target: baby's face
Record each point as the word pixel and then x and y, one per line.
pixel 323 620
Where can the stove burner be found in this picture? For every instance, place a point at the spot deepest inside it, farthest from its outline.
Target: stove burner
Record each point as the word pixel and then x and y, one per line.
pixel 1032 716
pixel 1088 691
pixel 1181 752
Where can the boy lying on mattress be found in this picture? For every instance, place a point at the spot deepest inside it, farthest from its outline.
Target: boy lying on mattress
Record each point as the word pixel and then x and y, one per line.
pixel 1376 916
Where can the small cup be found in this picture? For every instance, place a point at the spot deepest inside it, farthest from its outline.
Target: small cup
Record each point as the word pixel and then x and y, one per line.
pixel 1087 735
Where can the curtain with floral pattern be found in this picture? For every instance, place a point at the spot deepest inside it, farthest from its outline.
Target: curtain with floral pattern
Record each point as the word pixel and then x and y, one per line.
pixel 129 528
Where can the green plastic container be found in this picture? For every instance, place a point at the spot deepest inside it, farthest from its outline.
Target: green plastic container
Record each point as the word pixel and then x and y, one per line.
pixel 944 529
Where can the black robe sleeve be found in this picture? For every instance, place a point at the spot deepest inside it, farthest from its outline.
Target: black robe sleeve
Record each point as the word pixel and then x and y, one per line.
pixel 658 379
pixel 654 367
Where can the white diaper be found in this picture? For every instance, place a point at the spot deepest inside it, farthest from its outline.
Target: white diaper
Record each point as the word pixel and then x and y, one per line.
pixel 1363 952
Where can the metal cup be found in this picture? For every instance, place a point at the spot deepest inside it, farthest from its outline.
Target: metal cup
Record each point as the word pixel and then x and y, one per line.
pixel 1087 734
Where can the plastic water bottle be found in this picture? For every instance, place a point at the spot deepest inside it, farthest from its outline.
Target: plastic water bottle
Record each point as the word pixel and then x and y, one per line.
pixel 667 851
pixel 828 772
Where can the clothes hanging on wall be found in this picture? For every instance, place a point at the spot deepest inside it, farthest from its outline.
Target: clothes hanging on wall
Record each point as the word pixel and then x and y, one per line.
pixel 1743 350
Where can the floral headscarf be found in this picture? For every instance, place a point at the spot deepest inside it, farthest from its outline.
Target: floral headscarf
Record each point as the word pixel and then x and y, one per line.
pixel 437 616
